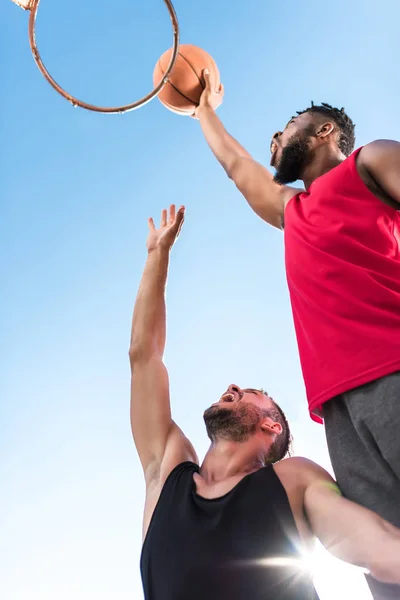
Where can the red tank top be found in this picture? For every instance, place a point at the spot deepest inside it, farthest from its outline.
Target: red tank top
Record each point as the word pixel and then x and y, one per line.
pixel 343 272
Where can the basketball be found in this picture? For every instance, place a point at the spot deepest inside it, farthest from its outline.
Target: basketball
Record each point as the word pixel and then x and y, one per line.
pixel 182 92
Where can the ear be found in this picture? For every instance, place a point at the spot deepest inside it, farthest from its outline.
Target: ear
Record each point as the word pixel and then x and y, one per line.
pixel 325 129
pixel 270 426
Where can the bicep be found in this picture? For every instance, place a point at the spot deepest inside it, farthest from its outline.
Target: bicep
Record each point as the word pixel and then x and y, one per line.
pixel 150 408
pixel 322 500
pixel 256 183
pixel 160 443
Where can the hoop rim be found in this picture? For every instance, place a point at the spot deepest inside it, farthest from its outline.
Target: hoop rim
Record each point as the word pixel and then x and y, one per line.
pixel 33 8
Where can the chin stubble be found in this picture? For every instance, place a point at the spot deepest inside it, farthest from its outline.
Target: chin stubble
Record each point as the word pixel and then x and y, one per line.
pixel 235 425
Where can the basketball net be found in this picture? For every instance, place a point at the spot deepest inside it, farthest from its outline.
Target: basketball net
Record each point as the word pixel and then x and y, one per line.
pixel 25 4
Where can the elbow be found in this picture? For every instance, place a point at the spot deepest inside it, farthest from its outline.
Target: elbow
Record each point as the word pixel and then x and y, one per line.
pixel 237 169
pixel 231 167
pixel 136 354
pixel 231 162
pixel 229 171
pixel 139 345
pixel 141 353
pixel 132 354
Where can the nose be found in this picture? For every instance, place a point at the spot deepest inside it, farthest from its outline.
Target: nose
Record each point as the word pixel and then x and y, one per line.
pixel 234 389
pixel 276 135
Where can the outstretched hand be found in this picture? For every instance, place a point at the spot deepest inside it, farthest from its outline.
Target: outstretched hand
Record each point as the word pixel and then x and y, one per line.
pixel 211 96
pixel 169 230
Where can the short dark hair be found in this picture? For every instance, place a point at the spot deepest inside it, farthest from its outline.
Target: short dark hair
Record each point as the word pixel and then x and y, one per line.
pixel 283 444
pixel 346 127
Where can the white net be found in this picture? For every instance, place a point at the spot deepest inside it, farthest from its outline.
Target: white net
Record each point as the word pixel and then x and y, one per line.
pixel 25 4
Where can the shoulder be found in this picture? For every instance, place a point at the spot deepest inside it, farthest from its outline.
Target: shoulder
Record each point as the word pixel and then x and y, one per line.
pixel 377 151
pixel 304 470
pixel 299 462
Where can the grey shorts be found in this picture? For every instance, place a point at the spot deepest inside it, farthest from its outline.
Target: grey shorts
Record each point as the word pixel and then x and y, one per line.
pixel 363 434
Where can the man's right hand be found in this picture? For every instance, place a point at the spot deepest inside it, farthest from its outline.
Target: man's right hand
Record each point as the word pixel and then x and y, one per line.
pixel 211 97
pixel 266 197
pixel 167 233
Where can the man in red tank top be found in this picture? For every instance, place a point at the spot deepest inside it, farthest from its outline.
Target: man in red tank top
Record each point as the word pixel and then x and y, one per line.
pixel 342 234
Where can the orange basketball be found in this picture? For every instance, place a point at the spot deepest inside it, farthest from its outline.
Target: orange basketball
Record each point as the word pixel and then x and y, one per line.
pixel 182 92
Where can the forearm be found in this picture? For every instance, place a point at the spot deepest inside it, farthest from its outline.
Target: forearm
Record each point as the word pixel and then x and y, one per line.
pixel 376 550
pixel 359 541
pixel 385 559
pixel 149 315
pixel 353 533
pixel 225 148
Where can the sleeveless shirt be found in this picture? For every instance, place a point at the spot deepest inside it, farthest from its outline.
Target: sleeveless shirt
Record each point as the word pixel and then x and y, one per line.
pixel 343 272
pixel 241 546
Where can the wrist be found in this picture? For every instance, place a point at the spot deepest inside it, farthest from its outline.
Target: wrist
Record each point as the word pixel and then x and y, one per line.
pixel 159 251
pixel 203 109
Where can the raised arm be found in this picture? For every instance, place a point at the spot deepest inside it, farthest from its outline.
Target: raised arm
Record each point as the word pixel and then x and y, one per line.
pixel 255 182
pixel 160 443
pixel 349 531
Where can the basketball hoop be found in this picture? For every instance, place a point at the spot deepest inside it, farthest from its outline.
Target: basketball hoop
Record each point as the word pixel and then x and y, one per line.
pixel 33 5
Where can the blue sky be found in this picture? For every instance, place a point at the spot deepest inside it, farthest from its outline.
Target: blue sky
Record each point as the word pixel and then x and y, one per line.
pixel 76 191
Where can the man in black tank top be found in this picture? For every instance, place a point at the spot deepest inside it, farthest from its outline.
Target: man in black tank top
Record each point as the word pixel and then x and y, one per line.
pixel 236 528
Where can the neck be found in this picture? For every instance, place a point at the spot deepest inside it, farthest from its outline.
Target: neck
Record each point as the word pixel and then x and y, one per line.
pixel 226 459
pixel 326 158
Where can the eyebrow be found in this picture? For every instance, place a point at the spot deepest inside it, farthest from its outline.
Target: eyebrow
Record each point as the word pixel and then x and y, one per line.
pixel 290 120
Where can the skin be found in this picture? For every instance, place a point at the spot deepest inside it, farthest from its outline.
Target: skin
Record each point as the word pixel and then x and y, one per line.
pixel 378 163
pixel 349 531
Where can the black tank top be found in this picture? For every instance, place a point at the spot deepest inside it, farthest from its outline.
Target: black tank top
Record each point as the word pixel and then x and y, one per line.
pixel 199 549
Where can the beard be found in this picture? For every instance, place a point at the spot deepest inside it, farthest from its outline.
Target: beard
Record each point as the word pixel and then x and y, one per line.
pixel 236 424
pixel 296 156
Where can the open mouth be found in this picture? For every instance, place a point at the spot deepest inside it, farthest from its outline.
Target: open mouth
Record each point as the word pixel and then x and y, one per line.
pixel 273 157
pixel 229 397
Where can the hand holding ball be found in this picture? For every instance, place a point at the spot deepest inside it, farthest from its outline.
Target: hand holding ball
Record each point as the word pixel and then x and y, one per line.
pixel 185 86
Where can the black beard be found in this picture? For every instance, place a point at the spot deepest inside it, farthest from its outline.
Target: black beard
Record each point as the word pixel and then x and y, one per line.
pixel 296 156
pixel 236 424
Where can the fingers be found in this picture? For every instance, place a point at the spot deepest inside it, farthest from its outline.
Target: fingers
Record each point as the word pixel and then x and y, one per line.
pixel 207 79
pixel 180 217
pixel 172 213
pixel 180 226
pixel 175 218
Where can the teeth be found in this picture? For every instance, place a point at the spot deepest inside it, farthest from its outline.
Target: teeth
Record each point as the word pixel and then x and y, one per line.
pixel 228 397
